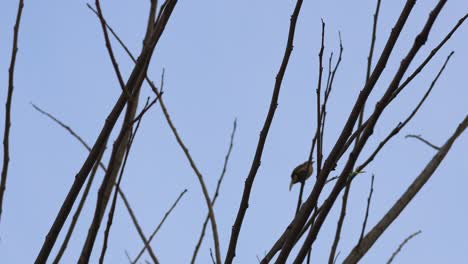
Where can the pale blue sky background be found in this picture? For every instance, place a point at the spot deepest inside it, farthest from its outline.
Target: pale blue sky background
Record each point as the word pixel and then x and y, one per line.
pixel 221 58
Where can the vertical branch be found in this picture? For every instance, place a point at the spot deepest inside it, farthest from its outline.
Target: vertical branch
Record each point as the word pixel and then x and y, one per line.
pixel 319 113
pixel 332 257
pixel 215 196
pixel 299 199
pixel 369 58
pixel 367 209
pixel 6 132
pixel 339 227
pixel 231 252
pixel 114 199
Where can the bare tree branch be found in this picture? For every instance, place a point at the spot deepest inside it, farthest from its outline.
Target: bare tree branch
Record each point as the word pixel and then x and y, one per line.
pixel 401 125
pixel 179 140
pixel 147 243
pixel 402 245
pixel 215 196
pixel 371 237
pixel 117 187
pixel 408 80
pixel 77 213
pixel 103 167
pixel 298 222
pixel 115 65
pixel 420 40
pixel 244 204
pixel 134 82
pixel 364 223
pixel 6 132
pixel 332 257
pixel 423 140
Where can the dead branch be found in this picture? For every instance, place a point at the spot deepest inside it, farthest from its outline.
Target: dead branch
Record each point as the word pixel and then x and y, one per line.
pixel 133 83
pixel 215 196
pixel 147 243
pixel 419 137
pixel 366 216
pixel 402 245
pixel 371 237
pixel 103 167
pixel 420 40
pixel 244 204
pixel 6 132
pixel 77 213
pixel 296 225
pixel 114 199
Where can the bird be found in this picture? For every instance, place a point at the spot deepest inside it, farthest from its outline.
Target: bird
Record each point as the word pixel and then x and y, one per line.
pixel 301 173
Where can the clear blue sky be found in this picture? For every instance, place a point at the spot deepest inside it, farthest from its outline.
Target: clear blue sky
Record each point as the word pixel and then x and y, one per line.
pixel 221 58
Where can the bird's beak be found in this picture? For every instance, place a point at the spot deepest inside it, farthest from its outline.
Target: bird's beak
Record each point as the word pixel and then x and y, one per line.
pixel 291 185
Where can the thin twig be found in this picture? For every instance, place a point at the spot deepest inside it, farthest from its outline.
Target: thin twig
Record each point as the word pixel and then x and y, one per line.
pixel 423 140
pixel 115 65
pixel 212 258
pixel 6 132
pixel 369 58
pixel 332 257
pixel 402 245
pixel 159 226
pixel 299 198
pixel 320 116
pixel 364 223
pixel 215 196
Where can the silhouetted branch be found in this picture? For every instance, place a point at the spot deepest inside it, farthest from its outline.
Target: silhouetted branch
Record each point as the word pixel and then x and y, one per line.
pixel 339 226
pixel 420 40
pixel 117 187
pixel 298 222
pixel 401 125
pixel 402 245
pixel 423 140
pixel 371 237
pixel 364 223
pixel 231 252
pixel 109 46
pixel 215 196
pixel 159 226
pixel 6 132
pixel 134 82
pixel 103 167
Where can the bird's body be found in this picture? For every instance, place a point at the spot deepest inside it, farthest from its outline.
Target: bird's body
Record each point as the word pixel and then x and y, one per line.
pixel 301 173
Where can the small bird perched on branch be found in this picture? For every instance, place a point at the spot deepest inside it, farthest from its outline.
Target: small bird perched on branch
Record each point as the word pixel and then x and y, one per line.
pixel 301 173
